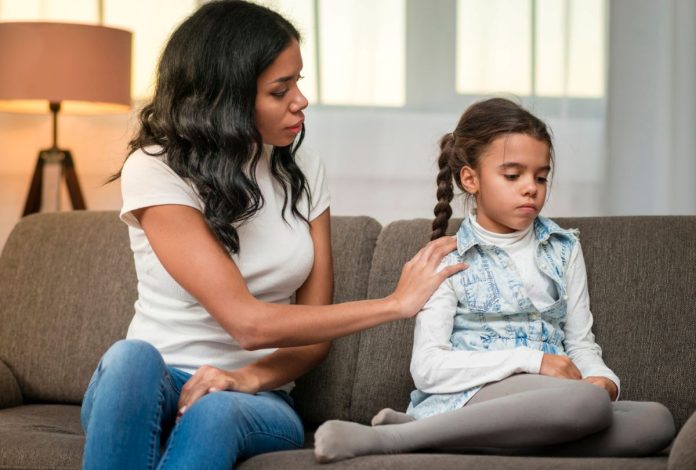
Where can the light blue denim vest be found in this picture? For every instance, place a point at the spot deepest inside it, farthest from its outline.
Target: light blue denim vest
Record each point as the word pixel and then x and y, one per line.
pixel 493 312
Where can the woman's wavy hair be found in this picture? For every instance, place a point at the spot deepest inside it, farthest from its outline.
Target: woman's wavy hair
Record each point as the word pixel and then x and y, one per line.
pixel 479 126
pixel 202 115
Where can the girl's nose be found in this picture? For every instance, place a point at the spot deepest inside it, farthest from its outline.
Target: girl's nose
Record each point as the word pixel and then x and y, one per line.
pixel 530 188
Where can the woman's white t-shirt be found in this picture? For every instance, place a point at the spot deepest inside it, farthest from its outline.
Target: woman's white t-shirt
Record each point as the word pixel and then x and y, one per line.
pixel 275 258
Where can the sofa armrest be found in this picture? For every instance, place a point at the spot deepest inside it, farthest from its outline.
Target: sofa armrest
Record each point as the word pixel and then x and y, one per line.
pixel 10 395
pixel 682 456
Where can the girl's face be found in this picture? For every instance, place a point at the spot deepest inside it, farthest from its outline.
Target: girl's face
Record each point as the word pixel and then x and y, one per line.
pixel 509 183
pixel 279 101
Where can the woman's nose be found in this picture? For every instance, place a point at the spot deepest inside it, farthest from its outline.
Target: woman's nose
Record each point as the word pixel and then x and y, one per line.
pixel 299 102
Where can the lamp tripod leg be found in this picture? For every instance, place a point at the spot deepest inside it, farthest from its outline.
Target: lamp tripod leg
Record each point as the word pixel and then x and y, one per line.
pixel 33 203
pixel 78 202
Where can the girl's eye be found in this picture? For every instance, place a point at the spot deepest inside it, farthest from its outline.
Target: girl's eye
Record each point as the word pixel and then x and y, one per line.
pixel 511 177
pixel 279 94
pixel 542 180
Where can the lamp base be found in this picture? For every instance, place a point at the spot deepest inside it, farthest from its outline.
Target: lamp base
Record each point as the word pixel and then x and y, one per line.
pixel 64 159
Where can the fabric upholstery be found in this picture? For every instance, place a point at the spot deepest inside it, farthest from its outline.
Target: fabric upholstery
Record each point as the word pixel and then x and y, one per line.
pixel 10 395
pixel 642 282
pixel 683 452
pixel 325 392
pixel 67 288
pixel 305 459
pixel 40 437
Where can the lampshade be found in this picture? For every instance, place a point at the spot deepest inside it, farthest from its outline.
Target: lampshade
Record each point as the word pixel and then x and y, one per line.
pixel 85 68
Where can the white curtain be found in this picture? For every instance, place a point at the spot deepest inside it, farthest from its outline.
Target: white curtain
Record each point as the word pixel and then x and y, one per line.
pixel 651 118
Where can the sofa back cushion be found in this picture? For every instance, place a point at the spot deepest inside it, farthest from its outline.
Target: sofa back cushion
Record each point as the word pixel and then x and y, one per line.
pixel 67 288
pixel 642 281
pixel 325 393
pixel 642 284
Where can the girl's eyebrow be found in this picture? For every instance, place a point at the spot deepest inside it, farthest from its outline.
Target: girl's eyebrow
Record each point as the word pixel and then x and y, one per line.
pixel 506 165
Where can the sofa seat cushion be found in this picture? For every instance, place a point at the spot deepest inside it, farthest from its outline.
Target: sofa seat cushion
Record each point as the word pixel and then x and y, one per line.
pixel 301 459
pixel 41 436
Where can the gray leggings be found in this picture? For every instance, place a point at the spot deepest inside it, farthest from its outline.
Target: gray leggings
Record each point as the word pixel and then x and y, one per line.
pixel 525 413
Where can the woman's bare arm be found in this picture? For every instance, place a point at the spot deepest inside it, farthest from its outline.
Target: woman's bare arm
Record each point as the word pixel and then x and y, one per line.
pixel 191 254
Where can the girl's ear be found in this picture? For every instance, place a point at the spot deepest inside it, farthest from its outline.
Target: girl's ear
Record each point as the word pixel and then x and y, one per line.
pixel 469 180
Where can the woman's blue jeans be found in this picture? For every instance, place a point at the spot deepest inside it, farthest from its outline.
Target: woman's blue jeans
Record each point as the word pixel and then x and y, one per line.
pixel 130 408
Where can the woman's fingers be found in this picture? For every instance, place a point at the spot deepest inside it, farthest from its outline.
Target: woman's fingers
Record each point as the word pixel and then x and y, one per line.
pixel 435 250
pixel 452 269
pixel 206 380
pixel 423 274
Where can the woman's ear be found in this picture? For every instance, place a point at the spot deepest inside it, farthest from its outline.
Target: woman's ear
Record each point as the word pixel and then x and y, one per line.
pixel 469 180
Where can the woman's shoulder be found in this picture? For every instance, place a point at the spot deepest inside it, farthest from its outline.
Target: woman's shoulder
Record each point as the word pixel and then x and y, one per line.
pixel 149 159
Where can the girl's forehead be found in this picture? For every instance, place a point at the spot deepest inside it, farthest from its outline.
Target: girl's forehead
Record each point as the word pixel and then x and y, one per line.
pixel 517 148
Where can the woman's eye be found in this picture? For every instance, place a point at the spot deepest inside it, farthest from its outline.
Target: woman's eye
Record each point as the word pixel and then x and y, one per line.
pixel 279 94
pixel 511 177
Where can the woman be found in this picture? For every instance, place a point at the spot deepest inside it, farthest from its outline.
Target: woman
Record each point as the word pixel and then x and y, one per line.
pixel 227 222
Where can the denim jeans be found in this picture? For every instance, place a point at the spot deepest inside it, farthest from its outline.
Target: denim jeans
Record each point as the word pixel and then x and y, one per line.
pixel 129 417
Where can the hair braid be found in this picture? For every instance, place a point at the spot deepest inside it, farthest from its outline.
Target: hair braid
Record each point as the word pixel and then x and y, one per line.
pixel 445 189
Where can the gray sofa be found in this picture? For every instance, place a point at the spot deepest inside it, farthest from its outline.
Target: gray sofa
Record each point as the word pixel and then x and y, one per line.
pixel 67 287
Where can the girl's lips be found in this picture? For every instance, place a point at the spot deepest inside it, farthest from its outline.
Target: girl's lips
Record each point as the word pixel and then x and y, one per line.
pixel 528 208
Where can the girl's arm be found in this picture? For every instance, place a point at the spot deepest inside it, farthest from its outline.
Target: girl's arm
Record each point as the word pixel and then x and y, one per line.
pixel 579 340
pixel 285 364
pixel 191 254
pixel 437 368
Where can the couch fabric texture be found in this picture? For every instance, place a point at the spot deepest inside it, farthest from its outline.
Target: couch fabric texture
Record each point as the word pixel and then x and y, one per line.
pixel 67 288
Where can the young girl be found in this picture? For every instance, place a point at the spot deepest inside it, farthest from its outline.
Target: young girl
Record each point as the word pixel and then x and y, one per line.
pixel 504 356
pixel 227 223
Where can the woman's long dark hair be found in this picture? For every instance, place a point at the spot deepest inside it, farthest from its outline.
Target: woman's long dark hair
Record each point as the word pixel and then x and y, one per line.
pixel 202 115
pixel 479 126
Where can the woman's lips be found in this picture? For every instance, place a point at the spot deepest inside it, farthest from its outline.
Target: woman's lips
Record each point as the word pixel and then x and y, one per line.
pixel 295 128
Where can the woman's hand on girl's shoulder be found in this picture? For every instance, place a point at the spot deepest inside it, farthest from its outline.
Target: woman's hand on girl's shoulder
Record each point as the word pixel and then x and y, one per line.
pixel 209 379
pixel 420 276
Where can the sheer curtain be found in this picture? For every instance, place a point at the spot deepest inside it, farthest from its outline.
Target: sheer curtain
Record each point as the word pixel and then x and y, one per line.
pixel 381 160
pixel 651 122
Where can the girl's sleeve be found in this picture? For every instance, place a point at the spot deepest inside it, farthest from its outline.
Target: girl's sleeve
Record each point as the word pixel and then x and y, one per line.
pixel 579 341
pixel 437 368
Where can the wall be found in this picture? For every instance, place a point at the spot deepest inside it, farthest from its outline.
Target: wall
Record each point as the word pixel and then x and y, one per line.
pixel 380 162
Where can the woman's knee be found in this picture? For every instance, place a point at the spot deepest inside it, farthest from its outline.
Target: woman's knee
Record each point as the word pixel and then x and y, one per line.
pixel 131 353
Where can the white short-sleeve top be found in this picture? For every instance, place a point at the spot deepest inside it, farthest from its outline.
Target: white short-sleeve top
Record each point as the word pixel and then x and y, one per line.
pixel 275 258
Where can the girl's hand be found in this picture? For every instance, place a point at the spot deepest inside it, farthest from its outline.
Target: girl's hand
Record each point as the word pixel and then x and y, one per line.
pixel 209 379
pixel 559 366
pixel 605 383
pixel 420 277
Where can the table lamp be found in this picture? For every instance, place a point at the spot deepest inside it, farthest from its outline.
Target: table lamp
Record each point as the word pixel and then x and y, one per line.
pixel 74 68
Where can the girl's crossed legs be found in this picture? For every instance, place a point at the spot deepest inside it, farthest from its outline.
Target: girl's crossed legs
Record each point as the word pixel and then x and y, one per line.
pixel 523 412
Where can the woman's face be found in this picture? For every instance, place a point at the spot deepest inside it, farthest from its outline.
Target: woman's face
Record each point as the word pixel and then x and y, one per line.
pixel 279 101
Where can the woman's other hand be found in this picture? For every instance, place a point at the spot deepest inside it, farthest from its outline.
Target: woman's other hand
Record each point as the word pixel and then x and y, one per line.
pixel 209 379
pixel 420 276
pixel 559 366
pixel 605 383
